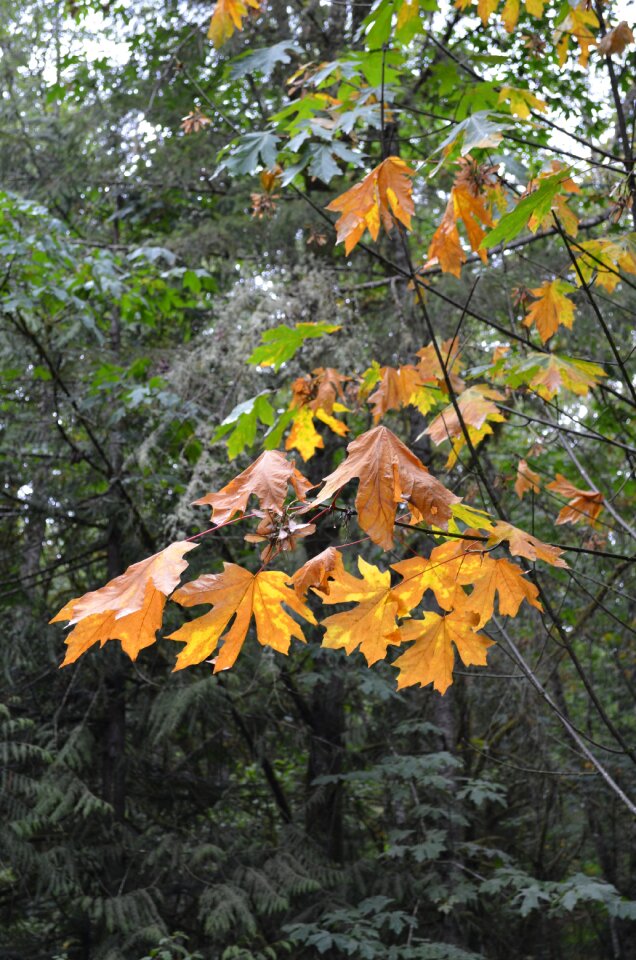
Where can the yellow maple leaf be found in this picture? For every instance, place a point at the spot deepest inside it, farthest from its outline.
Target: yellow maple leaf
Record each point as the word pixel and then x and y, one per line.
pixel 551 309
pixel 371 625
pixel 128 608
pixel 446 571
pixel 227 17
pixel 603 258
pixel 238 593
pixel 384 196
pixel 576 26
pixel 432 657
pixel 521 101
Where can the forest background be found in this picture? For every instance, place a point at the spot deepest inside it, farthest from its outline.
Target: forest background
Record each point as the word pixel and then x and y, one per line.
pixel 163 208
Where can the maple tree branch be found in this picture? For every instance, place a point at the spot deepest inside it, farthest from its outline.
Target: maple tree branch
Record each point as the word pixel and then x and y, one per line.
pixel 536 683
pixel 561 429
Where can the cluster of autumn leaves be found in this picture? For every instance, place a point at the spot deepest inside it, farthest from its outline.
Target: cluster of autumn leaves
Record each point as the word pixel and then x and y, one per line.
pixel 395 490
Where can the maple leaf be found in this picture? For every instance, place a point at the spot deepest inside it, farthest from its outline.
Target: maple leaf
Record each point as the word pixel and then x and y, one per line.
pixel 281 343
pixel 303 435
pixel 128 608
pixel 445 247
pixel 505 579
pixel 584 506
pixel 577 25
pixel 521 101
pixel 237 592
pixel 389 474
pixel 267 478
pixel 317 572
pixel 321 391
pixel 476 407
pixel 384 196
pixel 527 479
pixel 522 544
pixel 548 374
pixel 432 657
pixel 371 625
pixel 616 40
pixel 400 387
pixel 604 257
pixel 227 17
pixel 551 308
pixel 449 567
pixel 430 368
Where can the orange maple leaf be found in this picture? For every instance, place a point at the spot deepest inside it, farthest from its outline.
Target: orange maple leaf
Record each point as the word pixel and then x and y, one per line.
pixel 432 657
pixel 527 479
pixel 400 387
pixel 317 572
pixel 551 308
pixel 477 411
pixel 267 478
pixel 389 474
pixel 522 544
pixel 128 608
pixel 237 592
pixel 448 568
pixel 584 505
pixel 507 580
pixel 430 368
pixel 371 625
pixel 227 17
pixel 384 196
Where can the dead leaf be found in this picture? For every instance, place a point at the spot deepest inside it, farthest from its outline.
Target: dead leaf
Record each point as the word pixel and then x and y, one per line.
pixel 616 40
pixel 526 480
pixel 522 544
pixel 267 479
pixel 317 572
pixel 389 474
pixel 584 506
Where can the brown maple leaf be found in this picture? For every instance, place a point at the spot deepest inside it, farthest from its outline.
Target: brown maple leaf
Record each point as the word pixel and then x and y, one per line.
pixel 238 593
pixel 432 656
pixel 584 506
pixel 371 625
pixel 527 479
pixel 616 40
pixel 267 479
pixel 389 474
pixel 522 544
pixel 195 121
pixel 128 608
pixel 384 196
pixel 317 572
